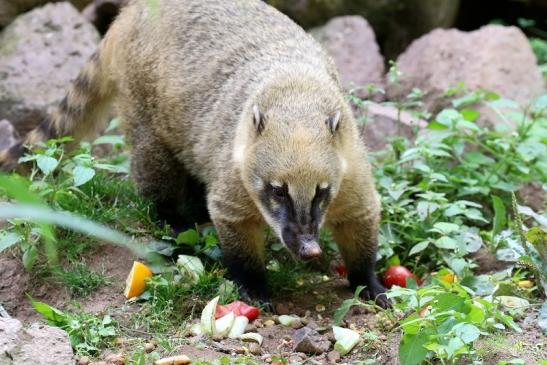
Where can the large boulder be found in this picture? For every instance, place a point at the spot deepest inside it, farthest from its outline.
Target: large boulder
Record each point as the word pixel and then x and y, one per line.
pixel 494 57
pixel 352 44
pixel 9 9
pixel 36 345
pixel 41 52
pixel 382 122
pixel 396 23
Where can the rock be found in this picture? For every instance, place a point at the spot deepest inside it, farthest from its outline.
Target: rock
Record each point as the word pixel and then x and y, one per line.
pixel 37 345
pixel 115 359
pixel 7 135
pixel 29 85
pixel 84 360
pixel 255 349
pixel 10 329
pixel 533 195
pixel 383 121
pixel 282 308
pixel 309 341
pixel 395 23
pixel 149 347
pixel 9 9
pixel 102 13
pixel 494 57
pixel 352 44
pixel 333 357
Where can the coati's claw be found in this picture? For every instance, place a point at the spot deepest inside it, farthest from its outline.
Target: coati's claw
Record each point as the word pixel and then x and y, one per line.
pixel 378 294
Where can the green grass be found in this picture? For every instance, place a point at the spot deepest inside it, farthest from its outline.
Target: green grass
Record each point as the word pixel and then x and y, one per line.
pixel 80 279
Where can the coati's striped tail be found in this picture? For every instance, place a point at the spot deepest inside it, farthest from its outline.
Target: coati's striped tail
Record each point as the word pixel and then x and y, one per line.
pixel 78 114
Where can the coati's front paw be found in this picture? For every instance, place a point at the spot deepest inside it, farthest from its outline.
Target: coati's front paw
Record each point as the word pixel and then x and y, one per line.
pixel 378 294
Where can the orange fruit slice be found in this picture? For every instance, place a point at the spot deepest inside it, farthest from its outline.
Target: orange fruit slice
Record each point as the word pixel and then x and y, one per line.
pixel 134 285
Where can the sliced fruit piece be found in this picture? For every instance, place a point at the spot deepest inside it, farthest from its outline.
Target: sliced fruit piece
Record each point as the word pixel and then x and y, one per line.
pixel 208 317
pixel 252 336
pixel 174 360
pixel 224 324
pixel 346 339
pixel 135 283
pixel 238 328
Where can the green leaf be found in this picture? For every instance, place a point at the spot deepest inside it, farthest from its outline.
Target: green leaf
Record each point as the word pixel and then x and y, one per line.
pixel 29 257
pixel 46 164
pixel 9 239
pixel 189 237
pixel 341 312
pixel 52 314
pixel 446 243
pixel 112 139
pixel 445 228
pixel 82 175
pixel 467 332
pixel 500 215
pixel 418 247
pixel 412 350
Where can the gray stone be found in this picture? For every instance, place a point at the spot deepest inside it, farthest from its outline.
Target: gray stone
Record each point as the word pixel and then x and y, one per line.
pixel 396 23
pixel 333 357
pixel 379 122
pixel 309 341
pixel 352 44
pixel 7 135
pixel 9 9
pixel 37 345
pixel 41 52
pixel 495 58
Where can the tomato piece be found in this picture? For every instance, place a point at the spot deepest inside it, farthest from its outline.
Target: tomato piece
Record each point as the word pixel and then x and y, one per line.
pixel 239 308
pixel 221 311
pixel 396 275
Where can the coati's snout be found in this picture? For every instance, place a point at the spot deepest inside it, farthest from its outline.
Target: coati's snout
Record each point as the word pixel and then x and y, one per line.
pixel 297 218
pixel 304 246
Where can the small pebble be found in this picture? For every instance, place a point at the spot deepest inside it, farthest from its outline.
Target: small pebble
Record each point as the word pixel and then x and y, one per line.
pixel 115 359
pixel 84 360
pixel 149 347
pixel 258 323
pixel 296 324
pixel 217 338
pixel 99 363
pixel 382 337
pixel 275 318
pixel 320 308
pixel 250 328
pixel 255 349
pixel 240 350
pixel 282 308
pixel 333 357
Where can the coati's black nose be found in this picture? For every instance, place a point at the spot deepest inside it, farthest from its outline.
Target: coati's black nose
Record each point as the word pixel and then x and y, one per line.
pixel 308 247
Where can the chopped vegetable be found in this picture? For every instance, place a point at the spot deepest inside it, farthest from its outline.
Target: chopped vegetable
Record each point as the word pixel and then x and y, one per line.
pixel 191 267
pixel 253 336
pixel 196 329
pixel 286 320
pixel 174 360
pixel 513 302
pixel 525 284
pixel 208 317
pixel 346 339
pixel 224 324
pixel 239 308
pixel 238 328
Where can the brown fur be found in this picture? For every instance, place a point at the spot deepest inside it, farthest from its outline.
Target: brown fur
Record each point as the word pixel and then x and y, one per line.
pixel 186 76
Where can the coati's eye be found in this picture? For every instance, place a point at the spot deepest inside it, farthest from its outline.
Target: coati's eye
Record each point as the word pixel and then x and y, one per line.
pixel 278 192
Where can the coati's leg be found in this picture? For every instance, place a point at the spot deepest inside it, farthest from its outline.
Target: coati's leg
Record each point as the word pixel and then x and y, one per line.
pixel 356 234
pixel 165 181
pixel 243 254
pixel 241 234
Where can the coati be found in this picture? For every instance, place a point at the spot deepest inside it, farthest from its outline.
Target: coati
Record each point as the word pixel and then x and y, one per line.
pixel 240 98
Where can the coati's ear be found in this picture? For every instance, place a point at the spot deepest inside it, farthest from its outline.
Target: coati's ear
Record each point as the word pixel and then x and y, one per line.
pixel 258 119
pixel 332 122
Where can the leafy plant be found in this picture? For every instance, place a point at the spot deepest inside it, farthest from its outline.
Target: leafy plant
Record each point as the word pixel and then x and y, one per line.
pixel 445 319
pixel 88 333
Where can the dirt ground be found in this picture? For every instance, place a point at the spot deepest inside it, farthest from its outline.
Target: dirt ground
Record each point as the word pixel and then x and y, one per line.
pixel 116 262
